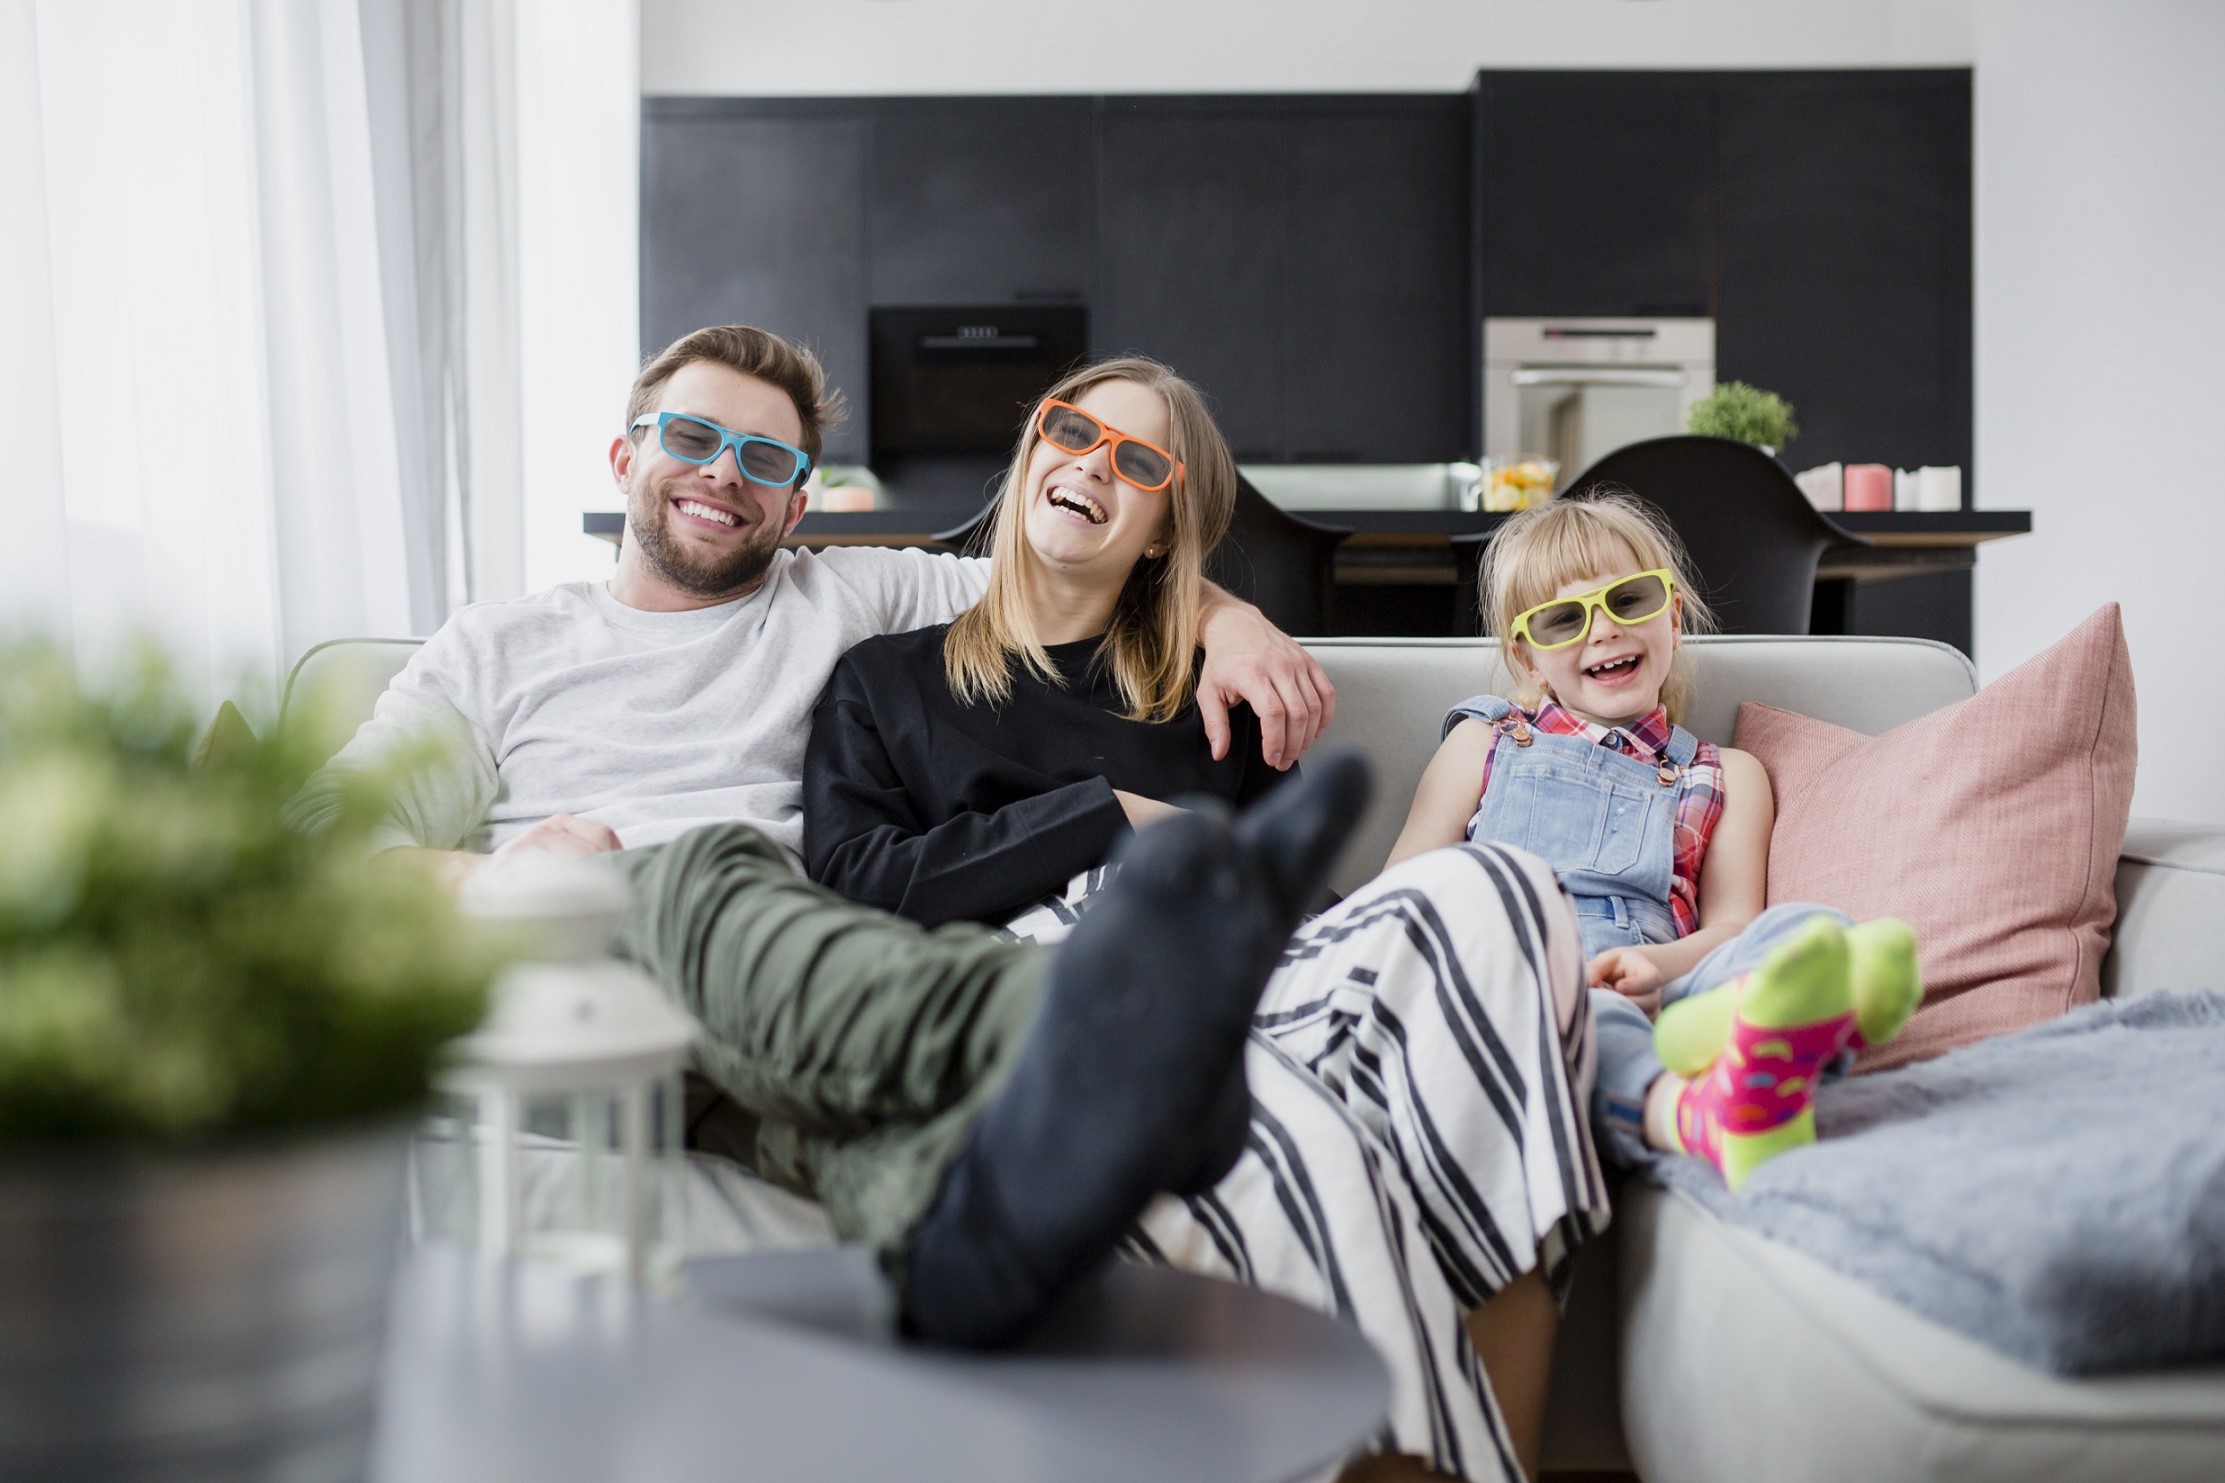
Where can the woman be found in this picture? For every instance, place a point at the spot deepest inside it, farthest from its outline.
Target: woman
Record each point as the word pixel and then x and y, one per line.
pixel 966 771
pixel 1419 1063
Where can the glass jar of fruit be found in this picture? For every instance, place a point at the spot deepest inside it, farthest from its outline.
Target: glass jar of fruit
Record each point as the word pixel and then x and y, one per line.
pixel 1517 483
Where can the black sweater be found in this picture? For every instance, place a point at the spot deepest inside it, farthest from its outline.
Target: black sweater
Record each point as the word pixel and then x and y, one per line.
pixel 944 812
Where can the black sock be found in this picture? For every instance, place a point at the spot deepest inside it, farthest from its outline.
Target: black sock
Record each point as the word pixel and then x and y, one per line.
pixel 1285 829
pixel 1281 837
pixel 1222 1135
pixel 1123 1087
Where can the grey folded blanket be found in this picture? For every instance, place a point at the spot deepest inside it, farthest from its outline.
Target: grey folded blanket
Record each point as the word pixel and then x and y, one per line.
pixel 2057 1194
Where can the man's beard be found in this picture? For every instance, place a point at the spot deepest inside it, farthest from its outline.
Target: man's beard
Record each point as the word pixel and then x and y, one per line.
pixel 734 574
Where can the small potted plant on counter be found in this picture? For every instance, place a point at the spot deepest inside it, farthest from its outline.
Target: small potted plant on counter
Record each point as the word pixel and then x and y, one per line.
pixel 1746 413
pixel 215 1029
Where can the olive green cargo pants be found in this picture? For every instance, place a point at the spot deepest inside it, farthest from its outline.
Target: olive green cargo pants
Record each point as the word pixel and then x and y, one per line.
pixel 862 1044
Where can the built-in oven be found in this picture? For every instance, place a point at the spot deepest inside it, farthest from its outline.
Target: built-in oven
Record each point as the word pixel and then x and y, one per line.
pixel 960 381
pixel 1572 390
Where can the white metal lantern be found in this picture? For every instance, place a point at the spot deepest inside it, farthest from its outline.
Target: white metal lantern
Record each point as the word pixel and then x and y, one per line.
pixel 559 1130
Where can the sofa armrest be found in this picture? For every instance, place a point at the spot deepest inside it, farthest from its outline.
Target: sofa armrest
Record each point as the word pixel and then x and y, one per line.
pixel 2170 902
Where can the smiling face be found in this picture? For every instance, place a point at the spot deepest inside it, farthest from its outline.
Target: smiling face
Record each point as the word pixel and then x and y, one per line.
pixel 1614 674
pixel 1080 518
pixel 702 534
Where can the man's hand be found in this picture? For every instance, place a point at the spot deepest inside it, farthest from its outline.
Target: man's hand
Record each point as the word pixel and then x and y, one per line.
pixel 1630 973
pixel 561 834
pixel 558 834
pixel 1249 659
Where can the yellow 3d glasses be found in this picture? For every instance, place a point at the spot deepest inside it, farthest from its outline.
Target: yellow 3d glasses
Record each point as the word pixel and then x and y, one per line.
pixel 1566 620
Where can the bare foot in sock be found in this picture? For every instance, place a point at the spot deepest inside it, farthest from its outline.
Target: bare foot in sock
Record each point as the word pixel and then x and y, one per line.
pixel 1130 1080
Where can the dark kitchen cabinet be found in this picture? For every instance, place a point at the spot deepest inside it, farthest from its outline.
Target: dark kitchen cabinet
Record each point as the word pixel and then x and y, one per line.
pixel 1190 261
pixel 1304 260
pixel 1845 258
pixel 982 201
pixel 758 217
pixel 1594 193
pixel 1376 322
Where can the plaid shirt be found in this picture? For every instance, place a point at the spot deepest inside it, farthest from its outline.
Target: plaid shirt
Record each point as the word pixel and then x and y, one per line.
pixel 1699 800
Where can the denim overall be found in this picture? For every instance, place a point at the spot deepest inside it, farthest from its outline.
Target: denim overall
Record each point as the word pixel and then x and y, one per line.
pixel 1606 823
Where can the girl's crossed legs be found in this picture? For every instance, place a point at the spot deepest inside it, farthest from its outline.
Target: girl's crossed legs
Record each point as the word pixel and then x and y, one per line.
pixel 1731 1071
pixel 1629 1066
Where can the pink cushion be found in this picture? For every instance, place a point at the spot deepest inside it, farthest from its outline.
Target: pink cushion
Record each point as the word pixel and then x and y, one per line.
pixel 1991 826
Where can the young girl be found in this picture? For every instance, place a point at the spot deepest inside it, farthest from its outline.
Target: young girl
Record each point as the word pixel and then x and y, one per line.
pixel 1662 841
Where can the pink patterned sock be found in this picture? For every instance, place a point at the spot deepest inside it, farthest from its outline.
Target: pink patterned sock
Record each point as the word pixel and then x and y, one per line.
pixel 1764 1081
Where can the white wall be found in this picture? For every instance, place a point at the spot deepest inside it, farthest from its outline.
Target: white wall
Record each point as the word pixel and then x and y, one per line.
pixel 2101 354
pixel 1227 46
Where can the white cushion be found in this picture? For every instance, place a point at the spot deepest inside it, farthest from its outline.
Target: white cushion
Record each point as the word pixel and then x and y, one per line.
pixel 1744 1361
pixel 2170 898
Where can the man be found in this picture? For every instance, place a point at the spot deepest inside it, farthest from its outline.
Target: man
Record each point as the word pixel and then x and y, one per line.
pixel 679 694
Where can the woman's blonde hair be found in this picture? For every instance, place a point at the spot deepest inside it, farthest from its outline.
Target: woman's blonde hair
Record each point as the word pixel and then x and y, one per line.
pixel 1151 647
pixel 1604 530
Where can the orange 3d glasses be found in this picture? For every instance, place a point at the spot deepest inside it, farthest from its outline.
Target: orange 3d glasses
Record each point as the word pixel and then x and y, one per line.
pixel 1069 429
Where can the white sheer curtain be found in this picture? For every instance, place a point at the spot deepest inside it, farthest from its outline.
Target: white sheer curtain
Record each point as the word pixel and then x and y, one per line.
pixel 259 326
pixel 444 158
pixel 505 151
pixel 141 391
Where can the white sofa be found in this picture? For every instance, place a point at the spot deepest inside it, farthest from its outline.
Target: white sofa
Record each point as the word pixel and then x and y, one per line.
pixel 1660 1369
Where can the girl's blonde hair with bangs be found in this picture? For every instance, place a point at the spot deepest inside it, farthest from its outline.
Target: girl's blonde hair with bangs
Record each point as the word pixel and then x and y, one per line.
pixel 1604 530
pixel 1151 647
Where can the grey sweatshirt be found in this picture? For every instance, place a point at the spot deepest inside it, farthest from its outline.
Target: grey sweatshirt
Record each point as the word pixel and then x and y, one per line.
pixel 568 701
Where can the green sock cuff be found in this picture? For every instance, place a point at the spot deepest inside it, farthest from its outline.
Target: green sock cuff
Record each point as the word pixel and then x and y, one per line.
pixel 1802 981
pixel 1884 977
pixel 1692 1032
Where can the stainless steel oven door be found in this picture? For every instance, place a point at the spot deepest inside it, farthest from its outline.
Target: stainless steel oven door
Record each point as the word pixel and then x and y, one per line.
pixel 1577 414
pixel 1574 390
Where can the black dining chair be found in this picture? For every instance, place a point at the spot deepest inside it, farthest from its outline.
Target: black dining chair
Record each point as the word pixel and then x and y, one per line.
pixel 1754 539
pixel 1280 561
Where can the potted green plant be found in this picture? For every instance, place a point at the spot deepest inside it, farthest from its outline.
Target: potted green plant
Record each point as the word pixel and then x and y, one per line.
pixel 215 1028
pixel 1746 413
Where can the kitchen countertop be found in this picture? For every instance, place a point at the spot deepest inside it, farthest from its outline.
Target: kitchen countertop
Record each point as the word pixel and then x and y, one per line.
pixel 1372 527
pixel 1413 546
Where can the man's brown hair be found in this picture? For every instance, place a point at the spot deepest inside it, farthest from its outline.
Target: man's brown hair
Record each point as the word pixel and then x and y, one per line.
pixel 753 352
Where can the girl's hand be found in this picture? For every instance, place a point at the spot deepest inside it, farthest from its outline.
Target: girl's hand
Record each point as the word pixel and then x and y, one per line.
pixel 1630 973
